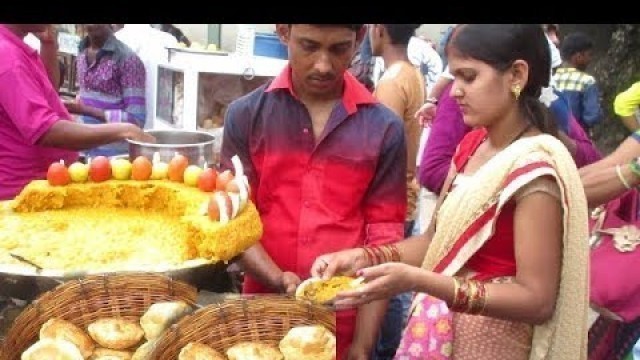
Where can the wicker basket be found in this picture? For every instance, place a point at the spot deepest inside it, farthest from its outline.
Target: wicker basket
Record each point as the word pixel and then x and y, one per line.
pixel 265 318
pixel 85 300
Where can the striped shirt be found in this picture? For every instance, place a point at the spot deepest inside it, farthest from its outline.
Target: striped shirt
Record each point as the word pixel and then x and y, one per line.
pixel 582 91
pixel 115 83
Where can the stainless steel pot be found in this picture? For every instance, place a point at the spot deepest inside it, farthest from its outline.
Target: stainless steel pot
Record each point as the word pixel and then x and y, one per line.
pixel 197 146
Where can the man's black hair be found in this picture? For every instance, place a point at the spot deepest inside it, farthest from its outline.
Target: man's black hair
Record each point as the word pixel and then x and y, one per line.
pixel 354 27
pixel 574 43
pixel 400 34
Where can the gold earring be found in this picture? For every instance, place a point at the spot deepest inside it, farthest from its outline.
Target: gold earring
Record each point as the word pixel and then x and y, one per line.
pixel 516 90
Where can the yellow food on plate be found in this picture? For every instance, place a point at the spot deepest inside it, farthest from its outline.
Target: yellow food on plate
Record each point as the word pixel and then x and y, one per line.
pixel 160 316
pixel 313 342
pixel 109 354
pixel 116 333
pixel 198 351
pixel 324 291
pixel 119 225
pixel 249 350
pixel 66 330
pixel 48 349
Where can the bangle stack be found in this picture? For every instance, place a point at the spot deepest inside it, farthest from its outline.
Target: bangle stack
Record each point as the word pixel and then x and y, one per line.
pixel 469 296
pixel 379 254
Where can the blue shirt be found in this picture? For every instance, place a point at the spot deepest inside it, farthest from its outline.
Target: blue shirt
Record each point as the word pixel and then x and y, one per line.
pixel 583 94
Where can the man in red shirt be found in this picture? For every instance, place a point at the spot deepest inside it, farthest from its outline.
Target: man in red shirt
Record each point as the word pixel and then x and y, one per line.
pixel 327 168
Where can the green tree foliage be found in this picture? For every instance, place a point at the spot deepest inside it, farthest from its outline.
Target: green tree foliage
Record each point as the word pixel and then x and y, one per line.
pixel 615 70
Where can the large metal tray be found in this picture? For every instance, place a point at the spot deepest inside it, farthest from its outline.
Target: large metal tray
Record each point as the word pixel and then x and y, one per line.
pixel 27 283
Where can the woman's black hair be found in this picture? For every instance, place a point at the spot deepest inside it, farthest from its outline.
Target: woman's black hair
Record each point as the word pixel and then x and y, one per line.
pixel 499 45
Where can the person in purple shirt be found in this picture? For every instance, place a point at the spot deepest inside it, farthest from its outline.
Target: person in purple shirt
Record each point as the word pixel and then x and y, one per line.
pixel 111 81
pixel 448 128
pixel 35 130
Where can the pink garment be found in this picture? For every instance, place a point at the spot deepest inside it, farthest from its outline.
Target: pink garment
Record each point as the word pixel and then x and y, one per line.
pixel 29 106
pixel 429 331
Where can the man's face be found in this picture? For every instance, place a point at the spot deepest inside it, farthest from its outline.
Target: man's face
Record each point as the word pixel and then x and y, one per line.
pixel 583 59
pixel 98 31
pixel 319 56
pixel 34 28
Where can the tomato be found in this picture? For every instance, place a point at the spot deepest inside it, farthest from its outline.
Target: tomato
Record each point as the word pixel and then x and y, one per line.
pixel 100 169
pixel 141 168
pixel 58 174
pixel 219 205
pixel 177 166
pixel 223 179
pixel 207 180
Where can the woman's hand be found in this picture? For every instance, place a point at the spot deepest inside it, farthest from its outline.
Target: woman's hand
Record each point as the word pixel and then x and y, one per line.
pixel 380 282
pixel 426 114
pixel 345 262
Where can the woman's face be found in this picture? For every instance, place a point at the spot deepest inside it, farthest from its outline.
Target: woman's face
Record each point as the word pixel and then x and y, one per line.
pixel 483 93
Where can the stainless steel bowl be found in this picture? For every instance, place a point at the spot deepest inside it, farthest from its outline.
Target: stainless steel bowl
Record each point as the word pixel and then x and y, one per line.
pixel 197 146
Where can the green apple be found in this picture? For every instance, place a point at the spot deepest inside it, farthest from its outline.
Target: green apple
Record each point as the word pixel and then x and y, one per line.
pixel 121 169
pixel 79 172
pixel 191 174
pixel 159 170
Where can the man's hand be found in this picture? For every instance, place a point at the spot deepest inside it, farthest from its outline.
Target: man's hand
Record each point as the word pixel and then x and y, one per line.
pixel 74 107
pixel 289 282
pixel 133 132
pixel 357 352
pixel 49 36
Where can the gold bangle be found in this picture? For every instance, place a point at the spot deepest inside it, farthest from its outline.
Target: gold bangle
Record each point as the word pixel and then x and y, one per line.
pixel 461 299
pixel 456 290
pixel 621 177
pixel 473 296
pixel 485 296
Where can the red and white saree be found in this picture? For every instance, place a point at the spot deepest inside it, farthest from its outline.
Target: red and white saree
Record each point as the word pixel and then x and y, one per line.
pixel 465 221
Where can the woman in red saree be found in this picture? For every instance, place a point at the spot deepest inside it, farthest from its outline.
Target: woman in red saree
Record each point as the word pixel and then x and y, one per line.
pixel 504 262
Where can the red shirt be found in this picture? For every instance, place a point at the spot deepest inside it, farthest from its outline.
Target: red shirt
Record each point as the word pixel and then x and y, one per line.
pixel 346 191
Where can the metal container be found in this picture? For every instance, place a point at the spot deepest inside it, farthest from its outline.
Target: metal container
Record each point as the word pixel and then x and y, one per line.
pixel 198 146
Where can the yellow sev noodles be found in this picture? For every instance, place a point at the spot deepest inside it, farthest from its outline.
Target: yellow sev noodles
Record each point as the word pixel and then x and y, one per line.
pixel 324 291
pixel 119 225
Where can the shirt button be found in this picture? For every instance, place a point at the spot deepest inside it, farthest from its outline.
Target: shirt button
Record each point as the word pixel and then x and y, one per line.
pixel 306 203
pixel 305 131
pixel 304 239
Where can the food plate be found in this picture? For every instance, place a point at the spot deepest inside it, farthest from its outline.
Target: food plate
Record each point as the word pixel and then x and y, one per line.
pixel 309 289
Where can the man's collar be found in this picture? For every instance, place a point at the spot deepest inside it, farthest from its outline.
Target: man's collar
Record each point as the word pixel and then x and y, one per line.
pixel 109 45
pixel 354 93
